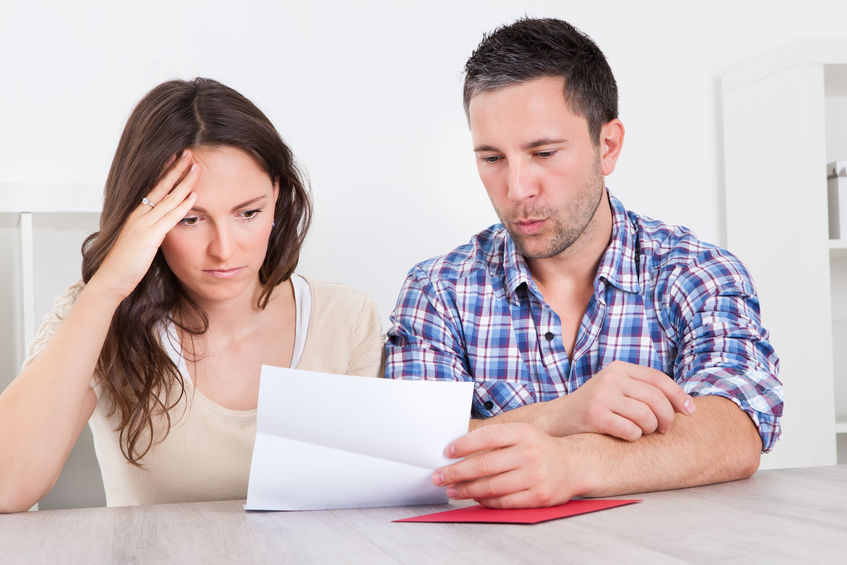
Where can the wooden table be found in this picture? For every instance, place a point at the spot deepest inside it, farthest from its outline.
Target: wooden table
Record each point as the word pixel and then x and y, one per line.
pixel 786 516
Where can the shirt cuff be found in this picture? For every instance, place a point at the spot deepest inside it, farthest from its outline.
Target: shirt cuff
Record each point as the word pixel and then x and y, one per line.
pixel 756 392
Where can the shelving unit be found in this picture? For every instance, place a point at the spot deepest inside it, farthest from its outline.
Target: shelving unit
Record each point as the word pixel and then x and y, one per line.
pixel 42 228
pixel 785 117
pixel 20 204
pixel 838 248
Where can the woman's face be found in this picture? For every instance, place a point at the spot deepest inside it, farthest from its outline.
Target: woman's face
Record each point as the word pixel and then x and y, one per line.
pixel 217 249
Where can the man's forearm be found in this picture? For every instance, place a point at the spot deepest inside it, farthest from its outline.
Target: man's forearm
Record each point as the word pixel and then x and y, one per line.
pixel 717 443
pixel 538 414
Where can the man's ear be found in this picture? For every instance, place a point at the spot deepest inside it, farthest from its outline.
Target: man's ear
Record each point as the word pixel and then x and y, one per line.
pixel 611 141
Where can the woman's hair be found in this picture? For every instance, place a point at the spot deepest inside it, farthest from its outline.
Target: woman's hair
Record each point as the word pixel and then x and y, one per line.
pixel 133 365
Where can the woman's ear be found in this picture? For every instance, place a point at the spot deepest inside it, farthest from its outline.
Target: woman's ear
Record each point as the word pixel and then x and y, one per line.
pixel 273 202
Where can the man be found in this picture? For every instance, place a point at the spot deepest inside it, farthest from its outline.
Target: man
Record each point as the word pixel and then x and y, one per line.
pixel 571 315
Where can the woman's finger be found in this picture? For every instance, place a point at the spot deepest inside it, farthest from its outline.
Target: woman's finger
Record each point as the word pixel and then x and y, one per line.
pixel 172 218
pixel 171 178
pixel 177 196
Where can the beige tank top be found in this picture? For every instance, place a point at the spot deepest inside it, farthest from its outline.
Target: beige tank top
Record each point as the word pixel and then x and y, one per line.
pixel 206 455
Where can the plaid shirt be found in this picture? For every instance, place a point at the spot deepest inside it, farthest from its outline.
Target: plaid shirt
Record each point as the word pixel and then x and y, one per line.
pixel 662 299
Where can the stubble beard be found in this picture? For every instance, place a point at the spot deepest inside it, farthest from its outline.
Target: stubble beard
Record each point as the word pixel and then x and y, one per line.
pixel 566 227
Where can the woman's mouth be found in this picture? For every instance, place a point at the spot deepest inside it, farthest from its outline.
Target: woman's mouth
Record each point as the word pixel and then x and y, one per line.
pixel 226 273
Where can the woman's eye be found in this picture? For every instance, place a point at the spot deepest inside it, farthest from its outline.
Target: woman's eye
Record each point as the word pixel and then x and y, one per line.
pixel 189 221
pixel 250 214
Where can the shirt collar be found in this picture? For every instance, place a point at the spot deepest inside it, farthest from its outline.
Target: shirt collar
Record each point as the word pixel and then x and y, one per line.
pixel 515 267
pixel 618 265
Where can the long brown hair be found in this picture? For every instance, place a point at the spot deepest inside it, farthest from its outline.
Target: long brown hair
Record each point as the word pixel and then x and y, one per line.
pixel 134 367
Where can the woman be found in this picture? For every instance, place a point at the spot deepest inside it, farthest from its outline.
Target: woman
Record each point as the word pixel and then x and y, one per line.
pixel 187 289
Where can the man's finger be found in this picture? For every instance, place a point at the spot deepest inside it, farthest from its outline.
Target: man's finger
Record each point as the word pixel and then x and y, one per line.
pixel 502 484
pixel 680 401
pixel 654 400
pixel 484 438
pixel 637 413
pixel 482 464
pixel 522 499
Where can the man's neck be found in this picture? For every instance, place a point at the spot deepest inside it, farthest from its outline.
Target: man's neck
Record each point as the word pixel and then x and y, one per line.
pixel 573 270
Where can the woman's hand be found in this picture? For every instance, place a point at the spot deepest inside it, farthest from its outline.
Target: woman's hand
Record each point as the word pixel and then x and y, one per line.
pixel 145 228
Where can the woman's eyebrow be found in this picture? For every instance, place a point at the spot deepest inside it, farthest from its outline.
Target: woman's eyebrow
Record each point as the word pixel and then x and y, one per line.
pixel 242 205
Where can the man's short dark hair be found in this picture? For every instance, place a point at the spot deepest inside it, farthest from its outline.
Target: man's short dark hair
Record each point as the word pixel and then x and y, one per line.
pixel 534 48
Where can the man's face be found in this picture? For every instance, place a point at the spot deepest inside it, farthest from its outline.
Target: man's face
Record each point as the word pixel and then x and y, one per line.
pixel 542 172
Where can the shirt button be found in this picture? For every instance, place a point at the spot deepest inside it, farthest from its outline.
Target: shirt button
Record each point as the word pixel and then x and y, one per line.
pixel 549 336
pixel 488 405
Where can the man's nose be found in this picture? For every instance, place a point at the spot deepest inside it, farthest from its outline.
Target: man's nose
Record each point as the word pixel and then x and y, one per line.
pixel 522 182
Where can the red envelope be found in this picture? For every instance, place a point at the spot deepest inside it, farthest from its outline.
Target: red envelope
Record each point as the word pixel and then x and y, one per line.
pixel 479 513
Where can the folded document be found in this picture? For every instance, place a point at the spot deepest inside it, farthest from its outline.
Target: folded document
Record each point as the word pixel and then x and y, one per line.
pixel 335 441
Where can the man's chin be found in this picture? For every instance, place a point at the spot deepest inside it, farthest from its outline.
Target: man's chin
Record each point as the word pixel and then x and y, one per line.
pixel 531 247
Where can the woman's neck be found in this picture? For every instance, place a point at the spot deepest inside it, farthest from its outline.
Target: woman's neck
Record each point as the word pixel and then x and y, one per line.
pixel 235 318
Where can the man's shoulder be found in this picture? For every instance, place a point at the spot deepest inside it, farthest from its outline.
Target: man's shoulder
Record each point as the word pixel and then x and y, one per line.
pixel 483 255
pixel 668 250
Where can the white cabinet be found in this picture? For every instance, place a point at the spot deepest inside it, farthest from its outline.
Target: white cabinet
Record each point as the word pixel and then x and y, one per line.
pixel 784 118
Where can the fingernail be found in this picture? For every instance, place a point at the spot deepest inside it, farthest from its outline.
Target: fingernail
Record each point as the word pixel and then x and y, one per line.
pixel 449 451
pixel 451 492
pixel 438 478
pixel 689 406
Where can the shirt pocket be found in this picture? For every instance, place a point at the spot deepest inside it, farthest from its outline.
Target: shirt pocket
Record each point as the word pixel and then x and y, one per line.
pixel 495 397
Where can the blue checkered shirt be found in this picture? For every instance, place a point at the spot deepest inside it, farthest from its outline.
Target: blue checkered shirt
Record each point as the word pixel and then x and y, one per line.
pixel 662 299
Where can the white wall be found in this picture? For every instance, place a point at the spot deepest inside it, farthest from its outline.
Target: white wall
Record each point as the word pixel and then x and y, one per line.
pixel 368 94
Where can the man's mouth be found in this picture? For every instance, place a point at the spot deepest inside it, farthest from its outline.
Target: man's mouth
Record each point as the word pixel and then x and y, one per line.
pixel 529 226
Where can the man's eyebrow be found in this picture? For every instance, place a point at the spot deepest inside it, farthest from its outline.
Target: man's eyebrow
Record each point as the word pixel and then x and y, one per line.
pixel 542 141
pixel 242 205
pixel 525 146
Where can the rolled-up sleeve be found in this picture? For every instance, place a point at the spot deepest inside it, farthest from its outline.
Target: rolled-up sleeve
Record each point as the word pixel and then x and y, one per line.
pixel 424 340
pixel 723 349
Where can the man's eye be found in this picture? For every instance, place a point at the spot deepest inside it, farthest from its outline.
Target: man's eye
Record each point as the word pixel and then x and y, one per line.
pixel 189 221
pixel 545 154
pixel 491 159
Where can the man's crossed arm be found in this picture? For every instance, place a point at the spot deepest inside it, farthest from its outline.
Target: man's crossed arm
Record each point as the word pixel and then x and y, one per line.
pixel 628 429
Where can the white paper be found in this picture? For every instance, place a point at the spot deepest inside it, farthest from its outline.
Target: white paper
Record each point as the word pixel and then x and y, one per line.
pixel 335 441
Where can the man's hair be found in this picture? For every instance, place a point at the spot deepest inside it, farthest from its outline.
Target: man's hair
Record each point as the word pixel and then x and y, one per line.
pixel 534 48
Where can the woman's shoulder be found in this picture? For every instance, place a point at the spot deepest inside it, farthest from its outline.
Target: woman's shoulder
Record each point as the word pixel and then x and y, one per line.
pixel 337 297
pixel 53 319
pixel 64 301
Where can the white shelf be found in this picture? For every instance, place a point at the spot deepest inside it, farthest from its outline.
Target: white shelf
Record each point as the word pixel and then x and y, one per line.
pixel 818 51
pixel 803 83
pixel 16 198
pixel 838 248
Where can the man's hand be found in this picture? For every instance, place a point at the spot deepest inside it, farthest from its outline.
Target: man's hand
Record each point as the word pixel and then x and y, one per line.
pixel 508 466
pixel 623 400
